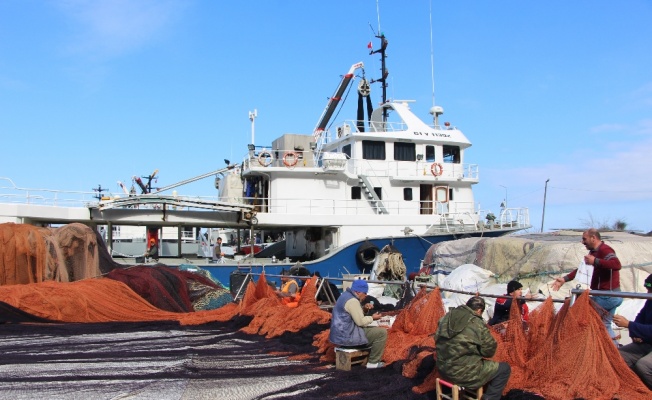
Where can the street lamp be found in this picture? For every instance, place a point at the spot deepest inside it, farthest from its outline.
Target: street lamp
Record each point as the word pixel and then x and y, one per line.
pixel 504 204
pixel 543 215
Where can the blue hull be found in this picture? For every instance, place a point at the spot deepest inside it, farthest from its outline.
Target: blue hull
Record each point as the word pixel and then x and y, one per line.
pixel 346 260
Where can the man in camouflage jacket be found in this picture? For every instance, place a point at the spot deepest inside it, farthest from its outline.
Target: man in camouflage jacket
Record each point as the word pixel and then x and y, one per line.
pixel 463 345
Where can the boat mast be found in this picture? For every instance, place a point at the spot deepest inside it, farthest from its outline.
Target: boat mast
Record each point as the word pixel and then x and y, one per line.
pixel 383 69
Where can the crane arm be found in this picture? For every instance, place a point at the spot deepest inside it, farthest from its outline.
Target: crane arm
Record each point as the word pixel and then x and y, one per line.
pixel 334 100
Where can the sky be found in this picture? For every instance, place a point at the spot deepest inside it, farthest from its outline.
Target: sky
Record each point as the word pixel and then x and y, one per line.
pixel 97 91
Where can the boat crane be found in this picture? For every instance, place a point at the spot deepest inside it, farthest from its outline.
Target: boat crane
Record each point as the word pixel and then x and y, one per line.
pixel 334 100
pixel 123 187
pixel 196 178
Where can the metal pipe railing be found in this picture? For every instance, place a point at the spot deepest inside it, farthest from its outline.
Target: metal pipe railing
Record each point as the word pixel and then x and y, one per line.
pixel 609 293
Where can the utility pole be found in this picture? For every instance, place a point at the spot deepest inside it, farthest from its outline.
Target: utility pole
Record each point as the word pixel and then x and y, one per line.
pixel 505 200
pixel 99 189
pixel 543 215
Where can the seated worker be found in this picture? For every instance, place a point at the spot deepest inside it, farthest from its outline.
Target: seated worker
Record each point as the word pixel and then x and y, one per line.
pixel 289 292
pixel 502 307
pixel 463 345
pixel 349 326
pixel 370 305
pixel 638 354
pixel 152 250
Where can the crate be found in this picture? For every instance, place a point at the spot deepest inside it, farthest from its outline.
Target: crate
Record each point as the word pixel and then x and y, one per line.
pixel 345 358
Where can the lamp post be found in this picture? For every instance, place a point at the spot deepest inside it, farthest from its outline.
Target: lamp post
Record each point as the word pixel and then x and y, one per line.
pixel 505 202
pixel 543 215
pixel 252 117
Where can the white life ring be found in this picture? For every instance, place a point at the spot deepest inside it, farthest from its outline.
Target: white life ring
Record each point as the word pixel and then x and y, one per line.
pixel 293 159
pixel 265 158
pixel 437 169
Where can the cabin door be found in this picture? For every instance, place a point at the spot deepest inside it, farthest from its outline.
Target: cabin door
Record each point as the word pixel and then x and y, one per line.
pixel 425 199
pixel 441 199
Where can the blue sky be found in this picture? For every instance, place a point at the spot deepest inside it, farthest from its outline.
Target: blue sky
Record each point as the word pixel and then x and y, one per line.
pixel 92 92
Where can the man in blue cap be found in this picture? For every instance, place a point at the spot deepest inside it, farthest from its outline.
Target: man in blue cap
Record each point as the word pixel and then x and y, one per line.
pixel 349 326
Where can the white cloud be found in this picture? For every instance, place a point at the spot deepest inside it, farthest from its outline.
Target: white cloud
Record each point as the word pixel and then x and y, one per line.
pixel 618 173
pixel 110 28
pixel 609 128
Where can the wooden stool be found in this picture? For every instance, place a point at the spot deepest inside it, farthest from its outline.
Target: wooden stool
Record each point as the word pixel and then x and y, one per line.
pixel 345 357
pixel 457 392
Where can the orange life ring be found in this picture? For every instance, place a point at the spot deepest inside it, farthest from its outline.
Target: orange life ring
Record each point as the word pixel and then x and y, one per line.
pixel 263 158
pixel 437 169
pixel 293 162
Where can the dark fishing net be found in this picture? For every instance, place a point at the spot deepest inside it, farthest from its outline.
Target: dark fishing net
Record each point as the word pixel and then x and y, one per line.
pixel 12 315
pixel 171 289
pixel 163 360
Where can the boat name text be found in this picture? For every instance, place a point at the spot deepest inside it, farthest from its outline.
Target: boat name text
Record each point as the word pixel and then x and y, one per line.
pixel 436 134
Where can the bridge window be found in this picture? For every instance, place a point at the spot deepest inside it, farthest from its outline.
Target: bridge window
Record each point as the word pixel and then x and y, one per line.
pixel 356 193
pixel 407 194
pixel 430 153
pixel 404 151
pixel 347 150
pixel 452 154
pixel 373 150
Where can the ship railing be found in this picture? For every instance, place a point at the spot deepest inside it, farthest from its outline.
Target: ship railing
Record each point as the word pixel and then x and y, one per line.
pixel 290 158
pixel 267 157
pixel 416 169
pixel 290 206
pixel 515 217
pixel 346 127
pixel 12 193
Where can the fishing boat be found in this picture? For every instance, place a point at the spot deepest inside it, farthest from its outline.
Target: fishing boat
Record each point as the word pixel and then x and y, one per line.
pixel 337 195
pixel 350 188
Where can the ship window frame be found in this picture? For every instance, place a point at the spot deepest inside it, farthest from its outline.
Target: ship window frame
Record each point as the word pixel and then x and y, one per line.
pixel 346 149
pixel 356 193
pixel 430 153
pixel 452 154
pixel 407 194
pixel 405 151
pixel 373 150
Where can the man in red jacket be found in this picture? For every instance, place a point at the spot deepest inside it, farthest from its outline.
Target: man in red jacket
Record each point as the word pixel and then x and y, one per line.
pixel 606 276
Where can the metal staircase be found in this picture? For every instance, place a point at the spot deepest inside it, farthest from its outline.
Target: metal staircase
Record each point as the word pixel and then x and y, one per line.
pixel 372 197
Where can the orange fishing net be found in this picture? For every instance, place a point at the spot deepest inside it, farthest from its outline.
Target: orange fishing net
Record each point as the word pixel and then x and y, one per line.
pixel 96 300
pixel 29 254
pixel 577 359
pixel 272 318
pixel 563 356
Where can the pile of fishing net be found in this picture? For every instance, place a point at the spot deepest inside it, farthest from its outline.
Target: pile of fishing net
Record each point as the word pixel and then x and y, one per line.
pixel 75 252
pixel 30 254
pixel 568 355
